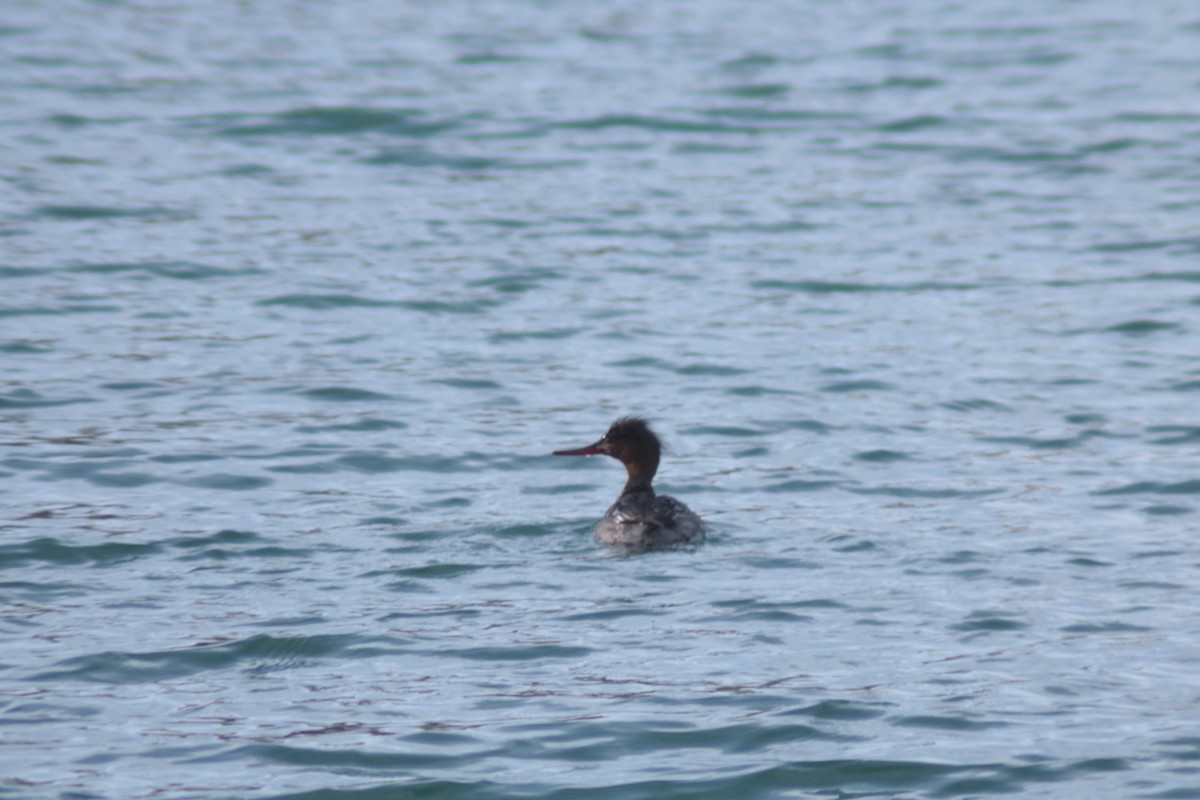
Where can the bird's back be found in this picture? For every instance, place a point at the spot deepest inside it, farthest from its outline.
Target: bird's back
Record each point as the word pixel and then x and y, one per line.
pixel 644 519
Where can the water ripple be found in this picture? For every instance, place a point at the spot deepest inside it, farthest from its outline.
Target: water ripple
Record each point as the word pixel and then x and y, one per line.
pixel 335 121
pixel 1155 487
pixel 328 302
pixel 257 653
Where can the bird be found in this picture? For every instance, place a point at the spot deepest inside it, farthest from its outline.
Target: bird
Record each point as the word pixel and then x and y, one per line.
pixel 640 518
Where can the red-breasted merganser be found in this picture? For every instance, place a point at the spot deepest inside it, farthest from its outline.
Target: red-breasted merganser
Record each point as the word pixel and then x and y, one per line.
pixel 640 518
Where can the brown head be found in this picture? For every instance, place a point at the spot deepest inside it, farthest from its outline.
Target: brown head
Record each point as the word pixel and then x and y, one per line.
pixel 630 441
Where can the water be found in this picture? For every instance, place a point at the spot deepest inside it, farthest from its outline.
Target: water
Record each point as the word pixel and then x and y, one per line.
pixel 297 298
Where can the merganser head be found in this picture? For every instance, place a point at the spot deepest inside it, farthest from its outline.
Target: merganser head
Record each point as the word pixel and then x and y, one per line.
pixel 630 441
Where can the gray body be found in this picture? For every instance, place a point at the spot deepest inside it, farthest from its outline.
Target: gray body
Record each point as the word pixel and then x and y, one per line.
pixel 645 520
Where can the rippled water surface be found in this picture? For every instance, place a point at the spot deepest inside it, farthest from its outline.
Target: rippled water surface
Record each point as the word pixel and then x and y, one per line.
pixel 297 297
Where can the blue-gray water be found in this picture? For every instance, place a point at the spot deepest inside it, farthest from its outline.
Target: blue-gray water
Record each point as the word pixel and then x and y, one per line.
pixel 296 297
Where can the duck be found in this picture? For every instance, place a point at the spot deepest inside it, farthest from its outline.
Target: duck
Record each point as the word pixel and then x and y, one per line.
pixel 640 518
